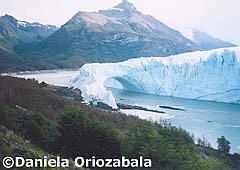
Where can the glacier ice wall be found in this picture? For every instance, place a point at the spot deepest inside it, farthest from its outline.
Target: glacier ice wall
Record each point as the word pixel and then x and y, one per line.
pixel 207 75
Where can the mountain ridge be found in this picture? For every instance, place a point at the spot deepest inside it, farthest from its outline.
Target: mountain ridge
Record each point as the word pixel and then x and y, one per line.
pixel 208 42
pixel 15 36
pixel 205 40
pixel 14 32
pixel 112 35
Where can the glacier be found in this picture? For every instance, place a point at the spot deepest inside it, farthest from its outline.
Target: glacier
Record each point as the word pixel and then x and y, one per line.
pixel 205 75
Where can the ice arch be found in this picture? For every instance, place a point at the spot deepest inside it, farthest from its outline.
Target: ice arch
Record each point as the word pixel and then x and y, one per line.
pixel 122 83
pixel 207 75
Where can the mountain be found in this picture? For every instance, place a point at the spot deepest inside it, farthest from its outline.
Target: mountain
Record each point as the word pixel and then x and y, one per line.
pixel 14 32
pixel 15 36
pixel 205 75
pixel 116 34
pixel 206 41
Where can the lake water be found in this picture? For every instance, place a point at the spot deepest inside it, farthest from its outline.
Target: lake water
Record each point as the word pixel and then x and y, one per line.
pixel 201 118
pixel 55 77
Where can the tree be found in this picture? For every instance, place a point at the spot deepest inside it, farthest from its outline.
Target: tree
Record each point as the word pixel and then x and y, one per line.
pixel 223 144
pixel 82 134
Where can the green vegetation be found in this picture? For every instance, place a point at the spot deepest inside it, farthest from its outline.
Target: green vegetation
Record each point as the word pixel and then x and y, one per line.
pixel 169 147
pixel 36 120
pixel 88 136
pixel 223 144
pixel 211 163
pixel 32 125
pixel 13 145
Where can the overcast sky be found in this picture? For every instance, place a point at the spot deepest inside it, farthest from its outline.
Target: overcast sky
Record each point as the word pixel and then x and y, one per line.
pixel 220 18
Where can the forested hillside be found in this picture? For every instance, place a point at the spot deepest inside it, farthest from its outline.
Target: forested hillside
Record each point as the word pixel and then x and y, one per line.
pixel 36 119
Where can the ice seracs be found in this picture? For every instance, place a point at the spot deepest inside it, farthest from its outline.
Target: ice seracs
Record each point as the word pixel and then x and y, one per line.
pixel 207 75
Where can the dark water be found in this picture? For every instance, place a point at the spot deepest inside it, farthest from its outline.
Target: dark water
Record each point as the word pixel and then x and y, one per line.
pixel 202 118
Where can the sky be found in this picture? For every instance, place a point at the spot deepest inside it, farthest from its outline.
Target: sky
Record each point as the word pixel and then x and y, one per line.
pixel 219 18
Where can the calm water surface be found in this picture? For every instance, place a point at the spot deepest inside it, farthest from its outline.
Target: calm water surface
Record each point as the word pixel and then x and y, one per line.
pixel 202 118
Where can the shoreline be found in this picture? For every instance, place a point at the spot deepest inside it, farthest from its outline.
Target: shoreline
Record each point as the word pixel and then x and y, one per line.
pixel 134 107
pixel 35 72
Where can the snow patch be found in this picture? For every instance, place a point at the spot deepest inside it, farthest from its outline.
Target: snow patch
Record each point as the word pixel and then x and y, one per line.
pixel 117 9
pixel 22 23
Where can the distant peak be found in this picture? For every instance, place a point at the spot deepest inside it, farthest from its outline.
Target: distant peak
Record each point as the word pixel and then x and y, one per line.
pixel 125 5
pixel 9 17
